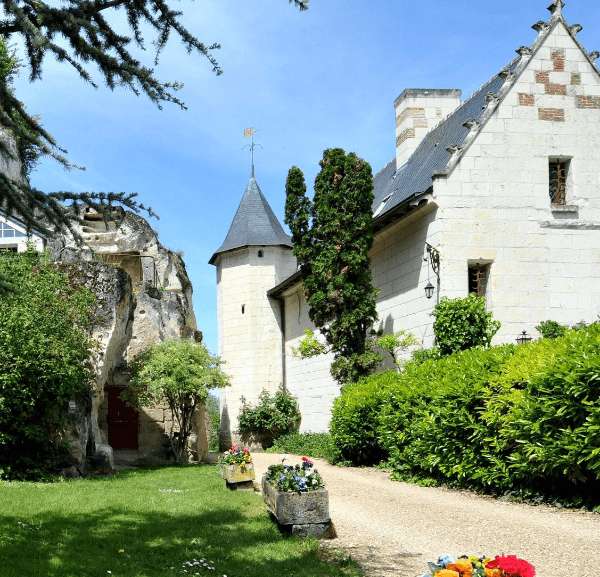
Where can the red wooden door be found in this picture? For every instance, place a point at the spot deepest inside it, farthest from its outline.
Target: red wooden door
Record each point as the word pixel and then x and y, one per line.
pixel 122 421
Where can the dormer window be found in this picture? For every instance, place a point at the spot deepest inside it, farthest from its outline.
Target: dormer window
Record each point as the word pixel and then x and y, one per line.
pixel 558 180
pixel 382 205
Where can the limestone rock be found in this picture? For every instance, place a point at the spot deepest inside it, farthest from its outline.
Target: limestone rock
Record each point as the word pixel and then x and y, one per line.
pixel 143 297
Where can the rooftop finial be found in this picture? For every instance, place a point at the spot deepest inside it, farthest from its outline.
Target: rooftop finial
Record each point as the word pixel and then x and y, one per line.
pixel 249 132
pixel 556 7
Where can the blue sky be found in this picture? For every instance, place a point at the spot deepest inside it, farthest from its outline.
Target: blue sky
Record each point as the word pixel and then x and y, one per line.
pixel 307 81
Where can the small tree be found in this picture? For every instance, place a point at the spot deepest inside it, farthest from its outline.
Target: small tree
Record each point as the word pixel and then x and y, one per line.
pixel 180 374
pixel 462 323
pixel 332 237
pixel 394 343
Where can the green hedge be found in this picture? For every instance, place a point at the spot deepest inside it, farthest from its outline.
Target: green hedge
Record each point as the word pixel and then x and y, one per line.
pixel 511 419
pixel 353 425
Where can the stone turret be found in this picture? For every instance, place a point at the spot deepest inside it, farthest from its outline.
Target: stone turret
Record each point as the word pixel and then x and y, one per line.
pixel 255 256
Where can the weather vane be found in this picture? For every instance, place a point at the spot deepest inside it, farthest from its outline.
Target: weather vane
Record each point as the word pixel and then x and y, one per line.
pixel 249 132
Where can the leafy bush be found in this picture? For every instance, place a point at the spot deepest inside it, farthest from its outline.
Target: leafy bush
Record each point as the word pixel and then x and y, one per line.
pixel 430 421
pixel 353 425
pixel 461 324
pixel 551 329
pixel 44 361
pixel 522 420
pixel 272 417
pixel 316 445
pixel 555 428
pixel 419 356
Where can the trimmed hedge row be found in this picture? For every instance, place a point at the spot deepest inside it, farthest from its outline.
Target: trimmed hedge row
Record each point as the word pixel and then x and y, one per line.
pixel 515 418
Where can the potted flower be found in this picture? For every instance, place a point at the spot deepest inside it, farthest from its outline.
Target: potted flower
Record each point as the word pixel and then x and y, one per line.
pixel 236 466
pixel 297 498
pixel 474 566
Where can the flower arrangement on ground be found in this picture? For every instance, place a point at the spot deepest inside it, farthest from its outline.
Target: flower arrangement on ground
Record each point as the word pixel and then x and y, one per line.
pixel 235 456
pixel 288 478
pixel 474 566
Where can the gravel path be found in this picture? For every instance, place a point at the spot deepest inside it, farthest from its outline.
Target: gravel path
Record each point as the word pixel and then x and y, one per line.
pixel 393 529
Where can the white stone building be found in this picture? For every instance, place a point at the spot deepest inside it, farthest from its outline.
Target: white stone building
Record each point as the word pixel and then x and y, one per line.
pixel 501 195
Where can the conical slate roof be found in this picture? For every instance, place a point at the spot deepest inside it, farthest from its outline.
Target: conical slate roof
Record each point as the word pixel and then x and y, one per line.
pixel 254 224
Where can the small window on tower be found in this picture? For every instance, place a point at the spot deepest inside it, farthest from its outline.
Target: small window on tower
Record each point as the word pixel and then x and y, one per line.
pixel 243 309
pixel 260 254
pixel 478 279
pixel 558 173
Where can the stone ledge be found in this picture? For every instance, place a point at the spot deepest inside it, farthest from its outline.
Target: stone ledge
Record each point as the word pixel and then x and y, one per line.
pixel 570 225
pixel 564 208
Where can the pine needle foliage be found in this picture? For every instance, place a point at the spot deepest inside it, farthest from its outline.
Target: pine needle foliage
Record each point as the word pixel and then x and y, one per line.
pixel 332 236
pixel 80 34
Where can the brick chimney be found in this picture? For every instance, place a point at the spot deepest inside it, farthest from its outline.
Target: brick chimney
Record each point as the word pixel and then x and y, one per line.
pixel 418 110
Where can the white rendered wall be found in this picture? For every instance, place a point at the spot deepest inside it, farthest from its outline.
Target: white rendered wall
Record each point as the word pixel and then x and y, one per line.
pixel 308 380
pixel 250 341
pixel 495 205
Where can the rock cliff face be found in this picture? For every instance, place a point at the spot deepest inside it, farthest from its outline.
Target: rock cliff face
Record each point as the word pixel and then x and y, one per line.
pixel 143 297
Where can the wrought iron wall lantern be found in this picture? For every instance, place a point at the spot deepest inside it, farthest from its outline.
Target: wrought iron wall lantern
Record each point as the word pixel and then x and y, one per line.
pixel 523 338
pixel 433 260
pixel 429 288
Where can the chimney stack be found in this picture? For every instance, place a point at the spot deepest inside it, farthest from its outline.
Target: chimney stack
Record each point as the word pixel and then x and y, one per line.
pixel 418 110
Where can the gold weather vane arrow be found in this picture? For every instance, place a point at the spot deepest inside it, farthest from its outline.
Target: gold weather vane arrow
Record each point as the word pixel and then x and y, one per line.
pixel 249 132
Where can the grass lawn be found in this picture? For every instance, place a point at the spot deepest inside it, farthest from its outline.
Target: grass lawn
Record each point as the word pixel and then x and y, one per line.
pixel 149 523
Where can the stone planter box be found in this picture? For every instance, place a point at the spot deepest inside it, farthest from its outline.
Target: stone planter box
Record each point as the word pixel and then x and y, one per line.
pixel 305 513
pixel 238 473
pixel 239 476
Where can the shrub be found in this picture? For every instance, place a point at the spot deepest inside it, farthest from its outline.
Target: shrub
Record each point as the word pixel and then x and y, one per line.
pixel 44 362
pixel 397 343
pixel 551 329
pixel 353 425
pixel 316 445
pixel 512 419
pixel 430 422
pixel 272 417
pixel 419 356
pixel 554 429
pixel 461 324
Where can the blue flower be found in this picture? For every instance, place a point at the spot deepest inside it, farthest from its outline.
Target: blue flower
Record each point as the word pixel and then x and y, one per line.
pixel 443 561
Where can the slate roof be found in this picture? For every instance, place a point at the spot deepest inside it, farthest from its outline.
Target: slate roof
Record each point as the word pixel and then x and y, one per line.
pixel 415 176
pixel 254 224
